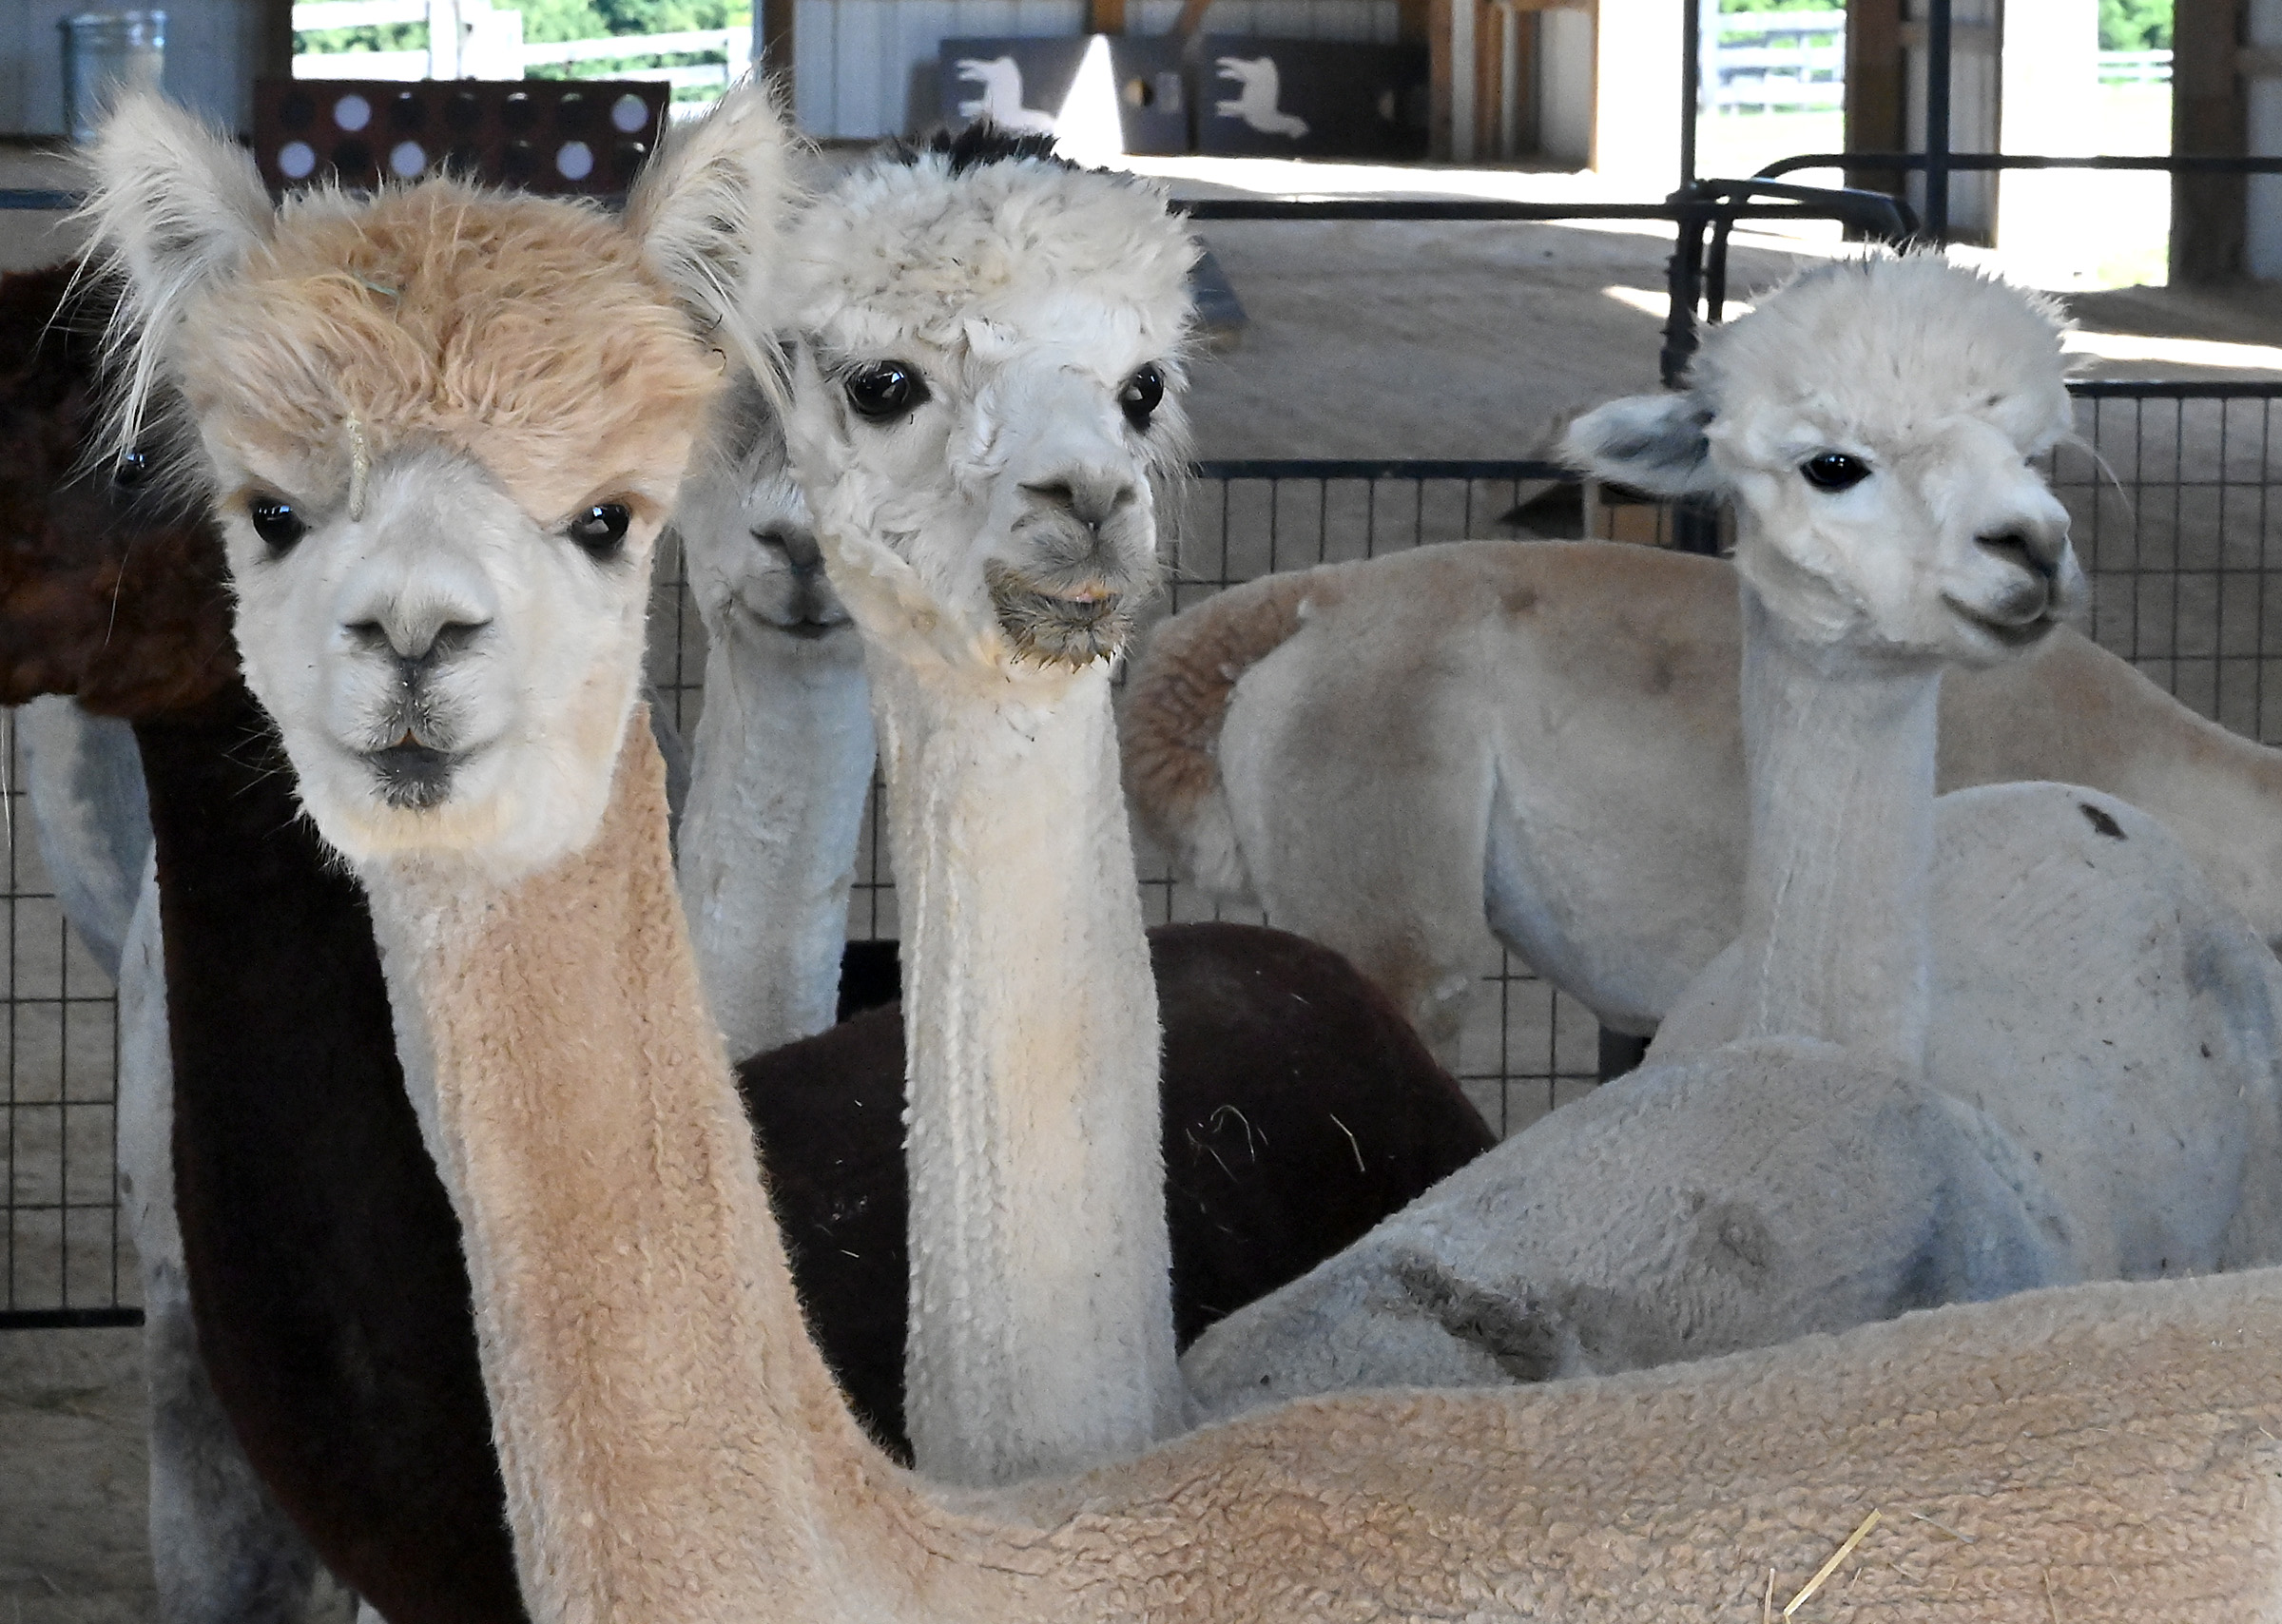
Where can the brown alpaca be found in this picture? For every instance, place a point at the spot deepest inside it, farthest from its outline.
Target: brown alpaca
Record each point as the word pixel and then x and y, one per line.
pixel 674 1448
pixel 111 588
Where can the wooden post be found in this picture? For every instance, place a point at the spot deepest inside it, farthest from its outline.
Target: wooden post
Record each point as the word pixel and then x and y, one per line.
pixel 273 46
pixel 1877 119
pixel 1441 73
pixel 774 19
pixel 1490 23
pixel 1105 16
pixel 2209 118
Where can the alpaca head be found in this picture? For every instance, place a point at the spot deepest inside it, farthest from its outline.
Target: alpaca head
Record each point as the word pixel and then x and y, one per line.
pixel 751 551
pixel 1874 423
pixel 987 368
pixel 111 583
pixel 441 427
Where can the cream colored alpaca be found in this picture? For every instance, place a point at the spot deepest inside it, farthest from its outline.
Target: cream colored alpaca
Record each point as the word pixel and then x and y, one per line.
pixel 2103 1026
pixel 1574 737
pixel 673 1448
pixel 986 385
pixel 783 754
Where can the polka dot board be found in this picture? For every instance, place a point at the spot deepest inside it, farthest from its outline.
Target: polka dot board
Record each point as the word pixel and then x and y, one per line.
pixel 583 136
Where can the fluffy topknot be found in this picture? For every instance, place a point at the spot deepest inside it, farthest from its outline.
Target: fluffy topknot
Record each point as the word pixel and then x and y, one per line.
pixel 1894 339
pixel 987 228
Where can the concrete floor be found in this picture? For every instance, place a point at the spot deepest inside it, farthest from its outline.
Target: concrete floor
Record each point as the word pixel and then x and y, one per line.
pixel 74 1479
pixel 1365 340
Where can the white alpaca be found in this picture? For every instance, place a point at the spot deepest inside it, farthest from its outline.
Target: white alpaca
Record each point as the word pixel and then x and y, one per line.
pixel 1887 524
pixel 1001 100
pixel 673 1448
pixel 1255 104
pixel 782 753
pixel 1574 739
pixel 978 419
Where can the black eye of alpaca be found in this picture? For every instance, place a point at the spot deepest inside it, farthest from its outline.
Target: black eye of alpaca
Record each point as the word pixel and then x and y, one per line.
pixel 882 390
pixel 1834 470
pixel 601 529
pixel 132 468
pixel 1141 394
pixel 275 522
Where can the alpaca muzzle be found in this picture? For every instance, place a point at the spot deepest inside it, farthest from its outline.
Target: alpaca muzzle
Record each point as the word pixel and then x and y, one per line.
pixel 1073 625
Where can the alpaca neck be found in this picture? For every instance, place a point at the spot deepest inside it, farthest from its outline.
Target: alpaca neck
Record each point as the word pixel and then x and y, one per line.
pixel 1041 1316
pixel 784 758
pixel 672 1444
pixel 1838 751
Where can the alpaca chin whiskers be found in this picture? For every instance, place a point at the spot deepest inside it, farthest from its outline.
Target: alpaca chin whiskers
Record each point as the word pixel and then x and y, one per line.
pixel 1073 625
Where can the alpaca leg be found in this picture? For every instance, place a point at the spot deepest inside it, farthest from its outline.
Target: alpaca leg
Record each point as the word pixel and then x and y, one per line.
pixel 222 1551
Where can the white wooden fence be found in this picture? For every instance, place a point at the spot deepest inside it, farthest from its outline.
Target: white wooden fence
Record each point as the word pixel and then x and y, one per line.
pixel 472 40
pixel 1796 62
pixel 1763 60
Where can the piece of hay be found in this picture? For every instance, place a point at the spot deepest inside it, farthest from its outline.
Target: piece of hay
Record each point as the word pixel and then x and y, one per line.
pixel 1945 1528
pixel 1831 1566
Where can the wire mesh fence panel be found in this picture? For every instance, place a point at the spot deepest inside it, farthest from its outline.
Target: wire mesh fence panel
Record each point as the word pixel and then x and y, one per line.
pixel 2177 517
pixel 59 1131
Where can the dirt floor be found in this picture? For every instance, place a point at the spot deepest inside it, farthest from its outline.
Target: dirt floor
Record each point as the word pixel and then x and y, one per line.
pixel 73 1496
pixel 1364 340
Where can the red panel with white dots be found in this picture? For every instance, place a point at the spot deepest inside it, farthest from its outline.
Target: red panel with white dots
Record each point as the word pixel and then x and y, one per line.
pixel 583 136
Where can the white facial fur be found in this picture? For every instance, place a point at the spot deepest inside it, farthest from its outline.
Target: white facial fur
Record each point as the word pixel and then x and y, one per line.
pixel 1943 385
pixel 503 653
pixel 1016 487
pixel 746 532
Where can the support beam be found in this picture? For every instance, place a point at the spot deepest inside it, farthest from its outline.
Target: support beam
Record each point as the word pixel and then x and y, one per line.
pixel 2208 119
pixel 1637 49
pixel 1877 98
pixel 273 45
pixel 773 48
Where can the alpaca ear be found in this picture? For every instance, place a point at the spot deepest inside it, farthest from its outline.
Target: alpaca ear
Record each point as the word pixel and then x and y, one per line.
pixel 1653 442
pixel 175 207
pixel 707 211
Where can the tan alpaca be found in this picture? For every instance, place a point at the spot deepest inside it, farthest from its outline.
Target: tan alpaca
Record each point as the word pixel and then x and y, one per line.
pixel 673 1447
pixel 1288 743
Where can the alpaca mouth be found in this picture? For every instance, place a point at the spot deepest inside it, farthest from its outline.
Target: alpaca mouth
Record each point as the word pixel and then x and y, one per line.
pixel 1073 627
pixel 2009 633
pixel 413 777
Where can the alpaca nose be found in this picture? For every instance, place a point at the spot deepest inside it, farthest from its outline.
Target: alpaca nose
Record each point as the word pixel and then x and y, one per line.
pixel 2034 547
pixel 418 610
pixel 798 546
pixel 416 643
pixel 1091 495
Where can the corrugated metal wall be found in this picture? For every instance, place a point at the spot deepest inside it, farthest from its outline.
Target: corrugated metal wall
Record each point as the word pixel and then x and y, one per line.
pixel 864 69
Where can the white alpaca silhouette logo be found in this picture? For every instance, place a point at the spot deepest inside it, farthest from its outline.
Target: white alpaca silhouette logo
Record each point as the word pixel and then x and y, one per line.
pixel 1001 98
pixel 1256 103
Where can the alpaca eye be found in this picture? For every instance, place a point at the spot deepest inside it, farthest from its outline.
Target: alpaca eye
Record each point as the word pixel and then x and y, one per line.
pixel 275 523
pixel 1834 470
pixel 881 390
pixel 132 468
pixel 601 529
pixel 1141 394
